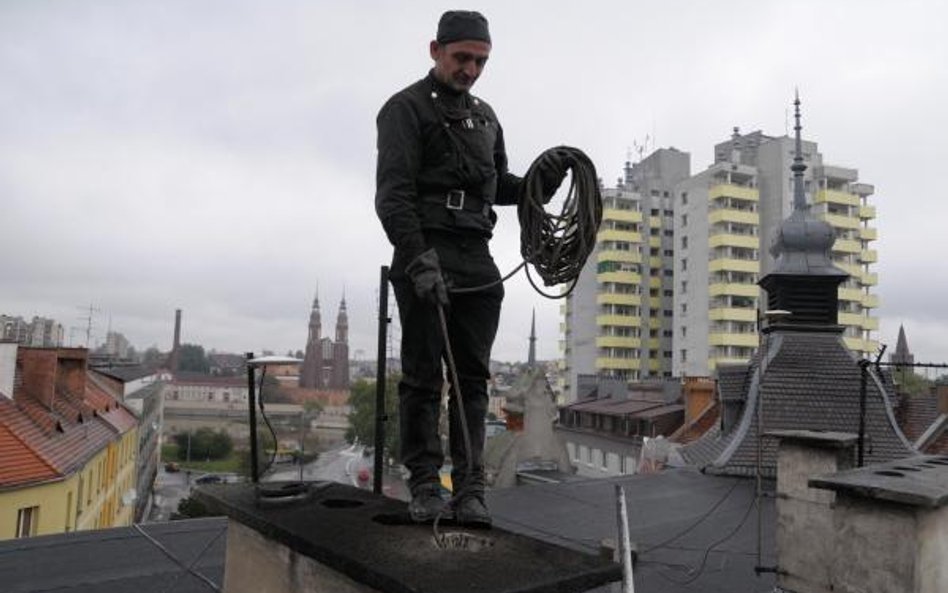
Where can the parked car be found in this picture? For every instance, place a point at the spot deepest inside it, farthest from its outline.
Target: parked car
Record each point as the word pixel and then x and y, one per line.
pixel 172 467
pixel 209 479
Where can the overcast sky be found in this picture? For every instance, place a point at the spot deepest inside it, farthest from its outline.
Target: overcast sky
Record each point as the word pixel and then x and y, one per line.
pixel 218 156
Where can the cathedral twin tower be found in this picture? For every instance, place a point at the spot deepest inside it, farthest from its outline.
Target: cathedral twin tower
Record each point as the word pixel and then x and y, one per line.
pixel 326 364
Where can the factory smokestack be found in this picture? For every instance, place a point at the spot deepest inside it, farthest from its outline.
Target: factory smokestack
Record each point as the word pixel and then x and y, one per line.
pixel 175 348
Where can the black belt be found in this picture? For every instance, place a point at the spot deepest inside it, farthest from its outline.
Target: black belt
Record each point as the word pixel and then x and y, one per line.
pixel 458 199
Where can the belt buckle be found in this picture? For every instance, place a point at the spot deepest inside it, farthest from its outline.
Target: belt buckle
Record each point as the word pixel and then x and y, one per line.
pixel 455 200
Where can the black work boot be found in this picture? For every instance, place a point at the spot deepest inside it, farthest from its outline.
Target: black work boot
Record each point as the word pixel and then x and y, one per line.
pixel 471 511
pixel 427 502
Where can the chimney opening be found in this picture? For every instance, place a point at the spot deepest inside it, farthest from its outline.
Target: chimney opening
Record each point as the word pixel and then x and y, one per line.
pixel 888 472
pixel 461 541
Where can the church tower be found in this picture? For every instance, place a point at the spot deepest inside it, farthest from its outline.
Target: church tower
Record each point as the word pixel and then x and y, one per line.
pixel 340 349
pixel 310 374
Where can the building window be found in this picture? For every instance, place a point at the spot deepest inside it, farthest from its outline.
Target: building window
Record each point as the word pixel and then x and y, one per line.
pixel 684 308
pixel 684 264
pixel 684 197
pixel 684 286
pixel 27 519
pixel 684 355
pixel 684 331
pixel 684 242
pixel 684 220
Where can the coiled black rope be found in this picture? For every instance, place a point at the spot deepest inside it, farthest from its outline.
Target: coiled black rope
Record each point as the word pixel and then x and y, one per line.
pixel 558 245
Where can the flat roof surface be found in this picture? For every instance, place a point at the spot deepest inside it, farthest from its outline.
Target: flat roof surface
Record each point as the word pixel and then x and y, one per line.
pixel 120 560
pixel 694 532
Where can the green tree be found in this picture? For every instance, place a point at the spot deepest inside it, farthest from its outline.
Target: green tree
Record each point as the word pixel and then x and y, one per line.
pixel 191 357
pixel 910 382
pixel 204 444
pixel 153 358
pixel 362 418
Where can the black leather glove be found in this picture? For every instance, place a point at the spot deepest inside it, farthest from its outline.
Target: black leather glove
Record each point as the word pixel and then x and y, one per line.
pixel 425 273
pixel 550 180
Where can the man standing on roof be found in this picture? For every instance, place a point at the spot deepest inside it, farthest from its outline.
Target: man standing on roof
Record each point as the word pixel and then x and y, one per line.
pixel 442 166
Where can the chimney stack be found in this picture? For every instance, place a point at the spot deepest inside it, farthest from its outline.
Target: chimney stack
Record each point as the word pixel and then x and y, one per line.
pixel 7 368
pixel 175 347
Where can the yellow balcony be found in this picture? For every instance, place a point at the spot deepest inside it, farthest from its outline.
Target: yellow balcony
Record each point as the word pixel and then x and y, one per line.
pixel 732 339
pixel 868 233
pixel 655 222
pixel 870 301
pixel 615 298
pixel 728 215
pixel 655 303
pixel 733 288
pixel 729 190
pixel 726 239
pixel 654 323
pixel 870 323
pixel 854 270
pixel 734 265
pixel 619 255
pixel 654 241
pixel 869 279
pixel 618 342
pixel 867 212
pixel 621 215
pixel 654 365
pixel 841 222
pixel 869 256
pixel 732 314
pixel 851 319
pixel 847 246
pixel 654 343
pixel 605 363
pixel 850 294
pixel 655 282
pixel 835 197
pixel 714 362
pixel 618 320
pixel 617 235
pixel 621 277
pixel 861 346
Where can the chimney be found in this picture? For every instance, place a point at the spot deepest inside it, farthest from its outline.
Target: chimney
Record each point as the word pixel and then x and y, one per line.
pixel 941 393
pixel 881 527
pixel 38 373
pixel 890 524
pixel 177 341
pixel 805 538
pixel 7 368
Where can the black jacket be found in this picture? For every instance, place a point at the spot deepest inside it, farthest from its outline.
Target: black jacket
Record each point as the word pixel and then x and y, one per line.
pixel 432 140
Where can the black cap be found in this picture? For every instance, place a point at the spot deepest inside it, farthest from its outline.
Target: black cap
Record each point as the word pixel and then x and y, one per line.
pixel 462 25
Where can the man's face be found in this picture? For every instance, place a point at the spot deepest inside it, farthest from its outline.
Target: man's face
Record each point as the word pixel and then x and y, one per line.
pixel 458 65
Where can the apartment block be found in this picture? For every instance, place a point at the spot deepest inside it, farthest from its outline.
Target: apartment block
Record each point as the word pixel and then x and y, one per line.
pixel 725 220
pixel 618 319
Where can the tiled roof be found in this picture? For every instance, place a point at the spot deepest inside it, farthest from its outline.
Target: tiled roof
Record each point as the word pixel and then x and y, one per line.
pixel 918 416
pixel 19 463
pixel 811 382
pixel 38 443
pixel 705 421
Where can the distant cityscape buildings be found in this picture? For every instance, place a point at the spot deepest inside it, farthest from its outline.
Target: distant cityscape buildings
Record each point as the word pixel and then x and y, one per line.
pixel 671 289
pixel 38 333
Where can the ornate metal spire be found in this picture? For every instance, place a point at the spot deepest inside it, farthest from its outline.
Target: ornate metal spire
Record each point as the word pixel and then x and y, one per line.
pixel 799 197
pixel 532 354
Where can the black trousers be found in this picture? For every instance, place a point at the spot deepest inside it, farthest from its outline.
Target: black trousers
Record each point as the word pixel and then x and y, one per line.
pixel 472 320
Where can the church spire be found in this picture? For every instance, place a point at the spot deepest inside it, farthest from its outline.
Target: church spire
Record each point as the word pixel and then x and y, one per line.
pixel 342 322
pixel 532 354
pixel 799 197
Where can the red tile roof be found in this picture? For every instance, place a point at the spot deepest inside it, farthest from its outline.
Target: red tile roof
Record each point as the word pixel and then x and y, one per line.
pixel 50 440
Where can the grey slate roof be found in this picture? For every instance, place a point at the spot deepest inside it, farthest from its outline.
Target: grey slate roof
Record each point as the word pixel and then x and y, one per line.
pixel 119 560
pixel 580 514
pixel 811 382
pixel 124 373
